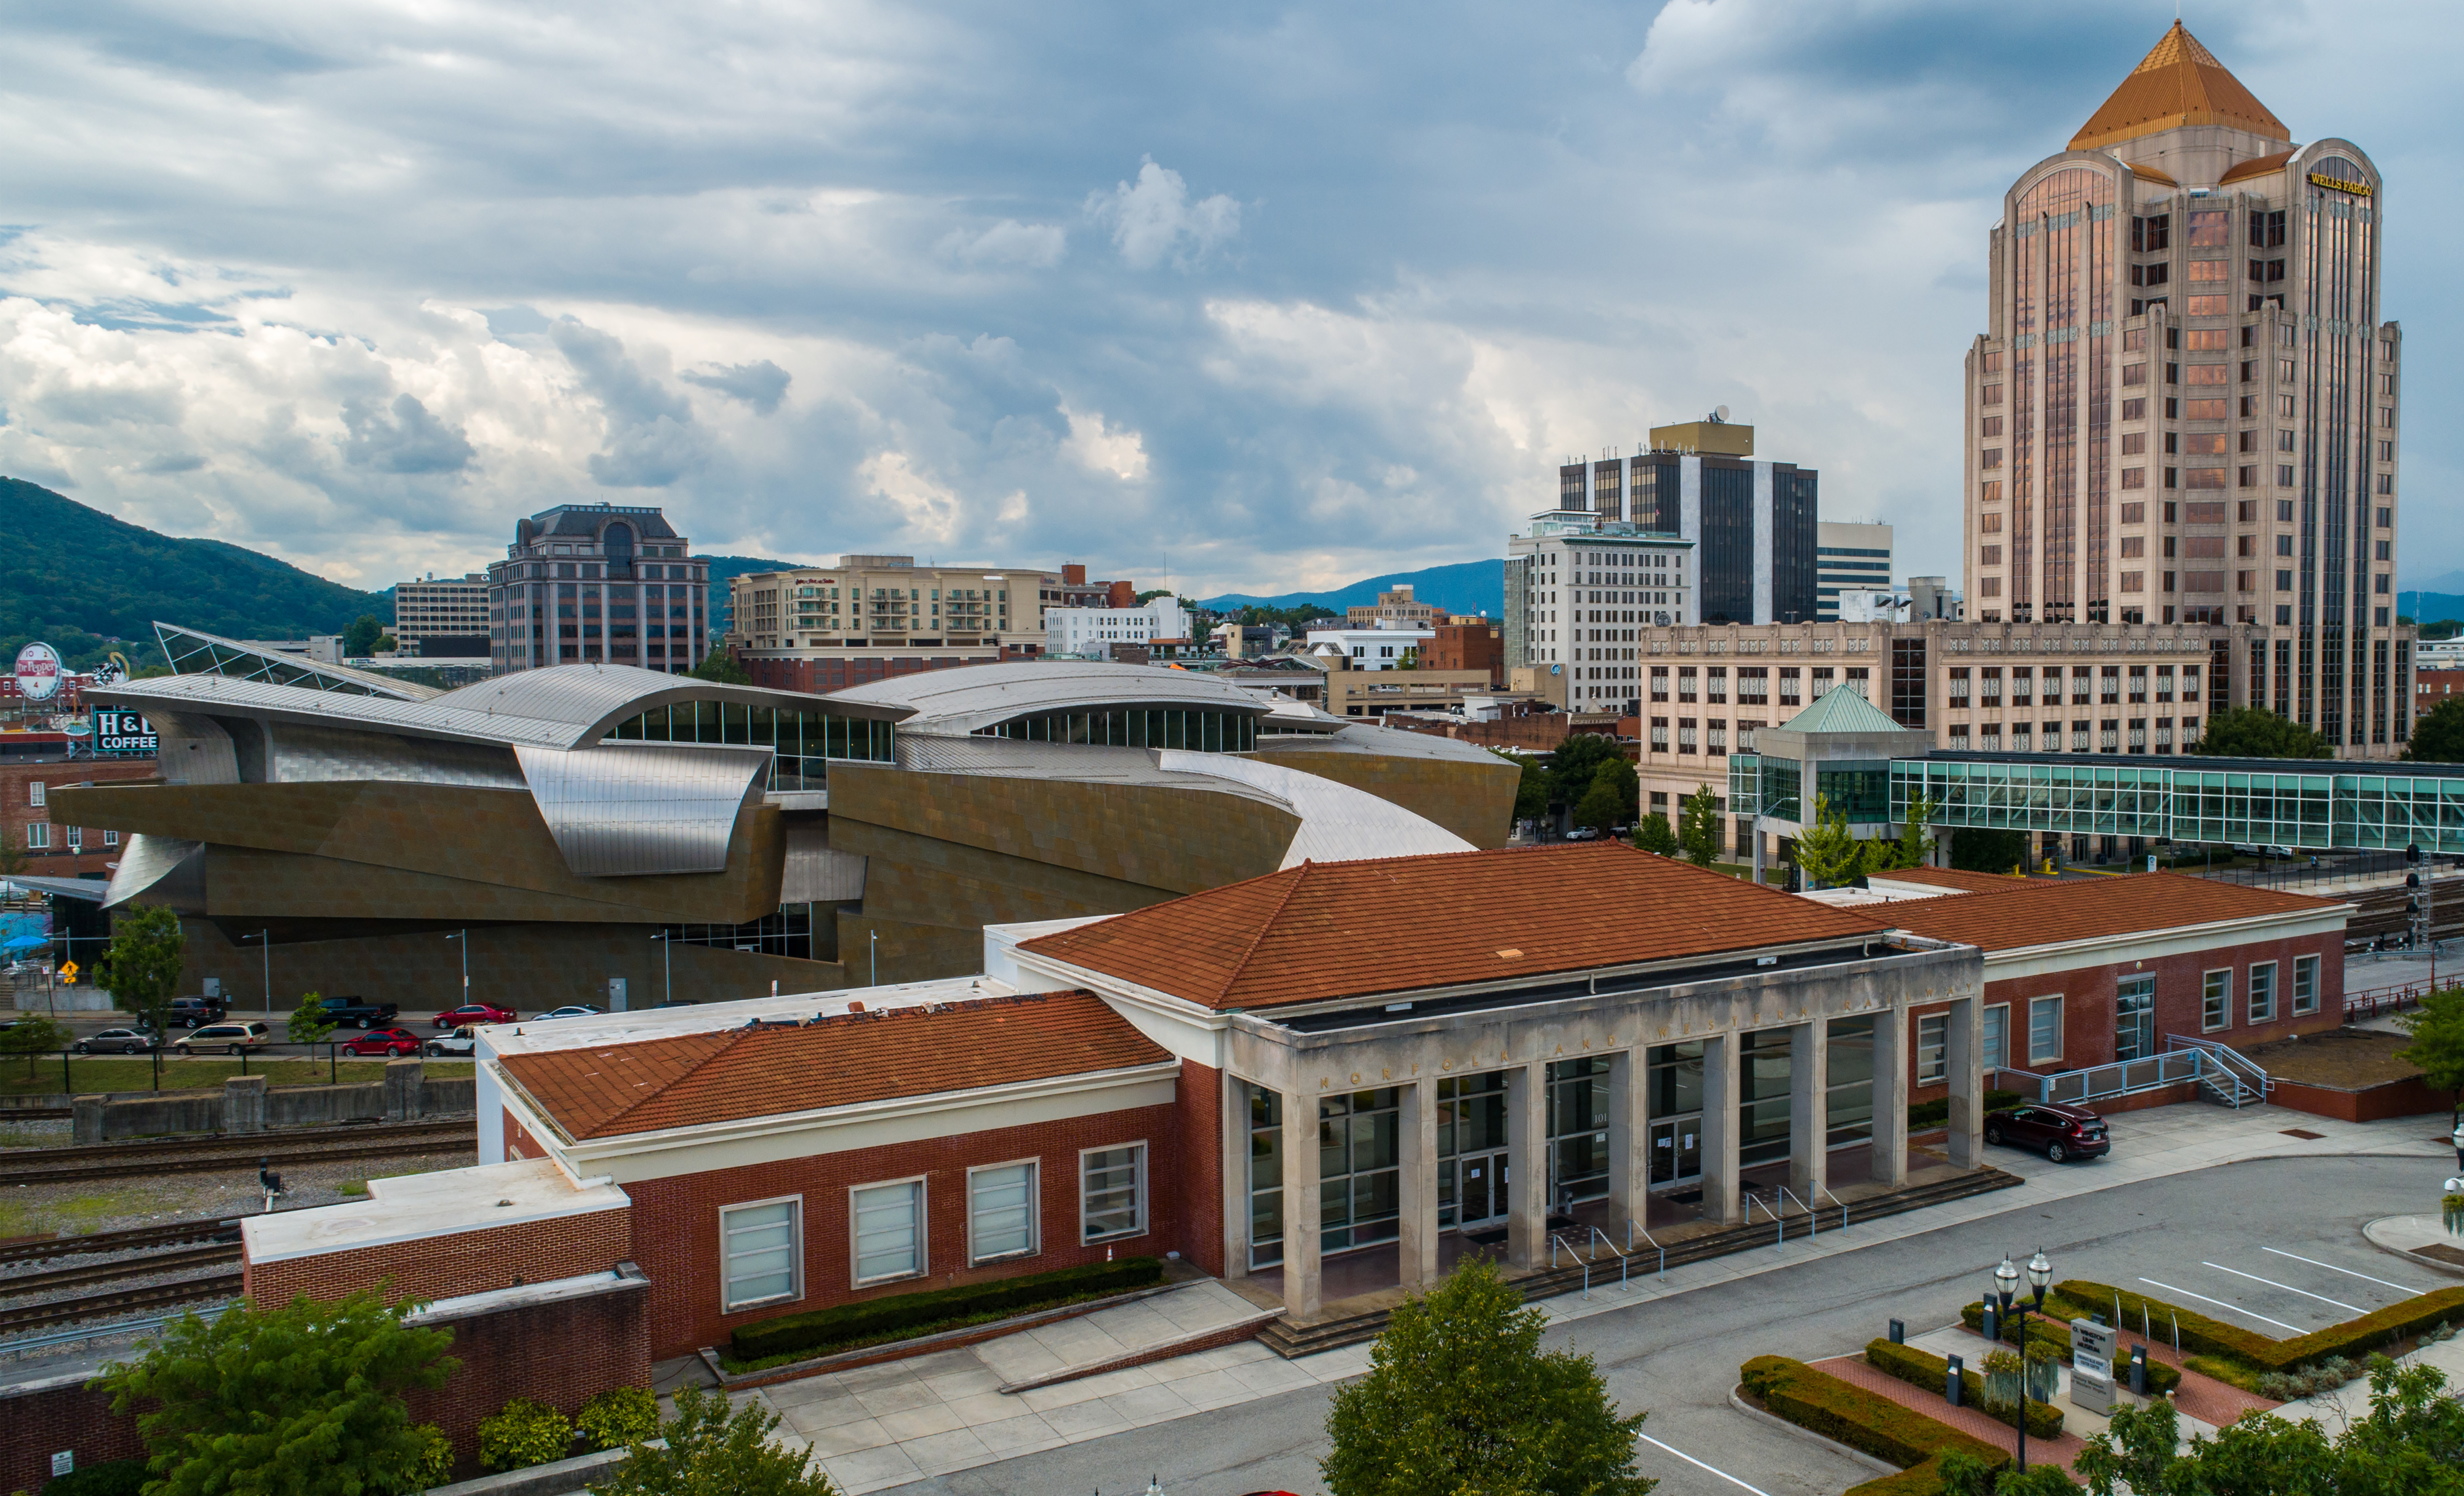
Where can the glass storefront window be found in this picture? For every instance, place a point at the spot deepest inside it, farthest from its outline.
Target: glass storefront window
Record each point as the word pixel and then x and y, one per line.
pixel 1578 1131
pixel 801 741
pixel 1358 1154
pixel 1194 730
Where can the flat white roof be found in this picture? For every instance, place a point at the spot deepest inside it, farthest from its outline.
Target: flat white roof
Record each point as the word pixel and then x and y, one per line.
pixel 419 1206
pixel 534 1036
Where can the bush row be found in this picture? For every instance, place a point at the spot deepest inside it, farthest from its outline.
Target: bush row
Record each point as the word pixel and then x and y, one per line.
pixel 813 1331
pixel 2351 1339
pixel 2056 1332
pixel 1934 1113
pixel 1823 1405
pixel 1932 1372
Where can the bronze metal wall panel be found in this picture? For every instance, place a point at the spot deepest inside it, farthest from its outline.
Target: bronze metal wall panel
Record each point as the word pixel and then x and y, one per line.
pixel 1474 800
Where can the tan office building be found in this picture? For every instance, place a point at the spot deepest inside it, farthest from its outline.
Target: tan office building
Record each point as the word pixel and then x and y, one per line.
pixel 442 617
pixel 2184 408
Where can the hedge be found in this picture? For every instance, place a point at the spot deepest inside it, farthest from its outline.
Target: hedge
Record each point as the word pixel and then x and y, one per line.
pixel 2162 1377
pixel 110 1478
pixel 1823 1405
pixel 1933 1113
pixel 789 1333
pixel 2351 1339
pixel 1922 1369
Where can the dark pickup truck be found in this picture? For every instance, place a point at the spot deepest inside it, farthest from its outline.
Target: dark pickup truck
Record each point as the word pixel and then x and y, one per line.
pixel 353 1013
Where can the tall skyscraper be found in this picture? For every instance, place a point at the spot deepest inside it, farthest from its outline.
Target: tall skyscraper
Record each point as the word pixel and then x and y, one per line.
pixel 2184 408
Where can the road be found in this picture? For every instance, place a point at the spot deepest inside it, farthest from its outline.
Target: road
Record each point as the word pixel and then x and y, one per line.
pixel 2273 1245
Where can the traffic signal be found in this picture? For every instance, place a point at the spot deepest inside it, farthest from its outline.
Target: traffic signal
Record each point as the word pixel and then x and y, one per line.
pixel 2412 852
pixel 2412 880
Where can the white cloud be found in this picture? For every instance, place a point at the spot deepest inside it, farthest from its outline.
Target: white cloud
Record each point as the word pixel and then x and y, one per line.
pixel 1102 450
pixel 1155 219
pixel 929 509
pixel 1008 242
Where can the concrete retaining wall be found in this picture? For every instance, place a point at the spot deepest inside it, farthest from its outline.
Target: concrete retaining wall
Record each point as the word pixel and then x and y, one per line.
pixel 246 1103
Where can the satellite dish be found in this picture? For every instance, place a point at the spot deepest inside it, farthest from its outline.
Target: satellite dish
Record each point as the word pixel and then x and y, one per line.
pixel 1719 412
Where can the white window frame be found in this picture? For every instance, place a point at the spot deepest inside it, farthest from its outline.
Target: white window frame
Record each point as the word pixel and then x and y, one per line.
pixel 2305 994
pixel 795 1204
pixel 1146 1207
pixel 2035 1057
pixel 76 839
pixel 1034 1166
pixel 34 792
pixel 1937 1072
pixel 39 836
pixel 1987 1033
pixel 111 839
pixel 923 1231
pixel 2255 1016
pixel 2213 1001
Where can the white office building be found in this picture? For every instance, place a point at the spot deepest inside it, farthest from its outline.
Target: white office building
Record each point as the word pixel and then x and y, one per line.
pixel 1850 558
pixel 1094 630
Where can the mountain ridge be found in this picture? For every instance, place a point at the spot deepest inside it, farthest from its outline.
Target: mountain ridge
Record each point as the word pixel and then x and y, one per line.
pixel 1460 587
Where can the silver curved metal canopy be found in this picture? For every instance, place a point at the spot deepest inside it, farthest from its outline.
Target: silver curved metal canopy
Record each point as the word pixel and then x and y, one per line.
pixel 971 697
pixel 626 809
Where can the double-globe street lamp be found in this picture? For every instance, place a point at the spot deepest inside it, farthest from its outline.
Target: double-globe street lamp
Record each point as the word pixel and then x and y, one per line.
pixel 2006 1294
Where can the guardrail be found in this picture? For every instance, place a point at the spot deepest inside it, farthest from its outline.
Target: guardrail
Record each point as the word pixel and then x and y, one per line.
pixel 2119 1078
pixel 2374 1001
pixel 2229 1073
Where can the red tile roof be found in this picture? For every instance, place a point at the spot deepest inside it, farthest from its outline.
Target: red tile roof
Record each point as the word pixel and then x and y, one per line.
pixel 2051 911
pixel 742 1073
pixel 1326 930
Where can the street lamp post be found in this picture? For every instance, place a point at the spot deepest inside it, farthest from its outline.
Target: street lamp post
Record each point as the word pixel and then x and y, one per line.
pixel 2005 1286
pixel 668 950
pixel 265 937
pixel 464 936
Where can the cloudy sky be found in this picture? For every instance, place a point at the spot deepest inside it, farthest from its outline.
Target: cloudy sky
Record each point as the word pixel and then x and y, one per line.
pixel 1280 297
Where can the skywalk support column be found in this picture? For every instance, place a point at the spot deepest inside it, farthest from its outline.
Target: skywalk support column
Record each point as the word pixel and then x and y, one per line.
pixel 1809 1109
pixel 1630 1134
pixel 1526 1165
pixel 1416 1185
pixel 1722 1200
pixel 1891 1097
pixel 1235 1144
pixel 1302 1227
pixel 1963 1061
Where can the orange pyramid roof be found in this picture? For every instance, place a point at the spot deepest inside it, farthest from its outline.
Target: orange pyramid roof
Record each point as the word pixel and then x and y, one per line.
pixel 2180 83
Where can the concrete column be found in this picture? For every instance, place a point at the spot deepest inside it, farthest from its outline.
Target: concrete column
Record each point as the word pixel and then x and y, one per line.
pixel 1891 1097
pixel 1964 1067
pixel 1527 1166
pixel 1758 853
pixel 85 1118
pixel 243 1104
pixel 1415 1124
pixel 403 1079
pixel 1302 1227
pixel 1235 1143
pixel 1722 1199
pixel 1809 1109
pixel 1630 1134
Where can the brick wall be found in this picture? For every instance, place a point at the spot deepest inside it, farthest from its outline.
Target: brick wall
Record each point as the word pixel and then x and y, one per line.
pixel 560 1354
pixel 50 1415
pixel 459 1263
pixel 1199 1168
pixel 18 811
pixel 677 1235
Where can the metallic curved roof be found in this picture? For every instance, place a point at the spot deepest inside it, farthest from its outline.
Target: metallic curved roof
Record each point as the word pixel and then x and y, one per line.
pixel 975 696
pixel 596 698
pixel 194 653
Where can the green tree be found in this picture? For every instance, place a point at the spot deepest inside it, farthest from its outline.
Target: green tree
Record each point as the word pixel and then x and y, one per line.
pixel 1914 846
pixel 1601 807
pixel 2437 1047
pixel 2406 1445
pixel 1698 827
pixel 2438 734
pixel 1531 794
pixel 1963 1474
pixel 1460 1398
pixel 304 1400
pixel 1576 763
pixel 711 1452
pixel 1974 850
pixel 34 1035
pixel 723 668
pixel 1827 852
pixel 2256 733
pixel 13 853
pixel 142 969
pixel 361 638
pixel 309 1023
pixel 1653 834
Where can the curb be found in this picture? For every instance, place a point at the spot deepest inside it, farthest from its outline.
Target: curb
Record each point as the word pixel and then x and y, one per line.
pixel 1869 1462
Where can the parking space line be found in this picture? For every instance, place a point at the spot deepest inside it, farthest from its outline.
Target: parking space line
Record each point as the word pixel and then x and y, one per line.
pixel 2286 1287
pixel 1700 1466
pixel 2346 1271
pixel 2221 1304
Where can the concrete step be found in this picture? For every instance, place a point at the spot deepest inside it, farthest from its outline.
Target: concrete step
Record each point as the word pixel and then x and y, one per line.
pixel 1287 1338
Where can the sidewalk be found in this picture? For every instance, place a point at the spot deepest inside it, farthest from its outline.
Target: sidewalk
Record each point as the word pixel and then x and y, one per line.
pixel 886 1425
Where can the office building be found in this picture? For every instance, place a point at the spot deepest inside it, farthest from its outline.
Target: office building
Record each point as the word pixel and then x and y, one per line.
pixel 1851 557
pixel 1161 623
pixel 1393 648
pixel 1583 590
pixel 1395 606
pixel 2184 409
pixel 597 585
pixel 443 618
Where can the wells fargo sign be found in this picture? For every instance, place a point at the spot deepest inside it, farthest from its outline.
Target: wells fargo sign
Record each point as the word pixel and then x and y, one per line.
pixel 2340 185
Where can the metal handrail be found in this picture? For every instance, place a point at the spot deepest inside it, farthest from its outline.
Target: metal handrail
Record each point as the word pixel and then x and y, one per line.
pixel 1556 1241
pixel 1825 1189
pixel 2373 1001
pixel 2232 1062
pixel 1630 1227
pixel 1752 1200
pixel 1602 1237
pixel 2119 1078
pixel 1813 1226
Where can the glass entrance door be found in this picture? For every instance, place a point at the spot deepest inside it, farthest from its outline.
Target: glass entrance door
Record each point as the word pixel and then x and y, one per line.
pixel 1480 1189
pixel 2134 1018
pixel 1676 1150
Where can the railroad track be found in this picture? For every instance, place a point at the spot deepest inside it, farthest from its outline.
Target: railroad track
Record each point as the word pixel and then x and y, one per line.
pixel 277 1150
pixel 94 1305
pixel 213 1256
pixel 42 1249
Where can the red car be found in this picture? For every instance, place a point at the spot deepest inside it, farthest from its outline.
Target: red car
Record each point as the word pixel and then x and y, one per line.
pixel 2054 1128
pixel 474 1013
pixel 387 1043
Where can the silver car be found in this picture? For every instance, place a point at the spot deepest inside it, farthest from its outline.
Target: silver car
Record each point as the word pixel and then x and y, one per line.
pixel 118 1041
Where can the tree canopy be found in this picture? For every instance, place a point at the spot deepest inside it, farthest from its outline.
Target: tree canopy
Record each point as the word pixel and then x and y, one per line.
pixel 1574 762
pixel 1975 849
pixel 2438 734
pixel 1531 794
pixel 2437 1046
pixel 1611 798
pixel 709 1450
pixel 1460 1398
pixel 2407 1444
pixel 1654 834
pixel 142 968
pixel 2256 733
pixel 1698 827
pixel 722 668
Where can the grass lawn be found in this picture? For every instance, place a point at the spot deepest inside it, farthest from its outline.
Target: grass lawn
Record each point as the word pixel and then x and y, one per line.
pixel 79 1216
pixel 101 1073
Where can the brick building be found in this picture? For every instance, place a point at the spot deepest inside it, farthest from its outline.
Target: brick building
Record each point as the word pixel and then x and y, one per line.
pixel 1468 644
pixel 2433 687
pixel 55 849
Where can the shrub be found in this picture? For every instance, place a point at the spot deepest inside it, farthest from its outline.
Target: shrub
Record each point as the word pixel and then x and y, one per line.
pixel 2354 1337
pixel 1824 1405
pixel 2057 1333
pixel 523 1433
pixel 2325 1376
pixel 820 1329
pixel 111 1478
pixel 1934 1113
pixel 2212 1337
pixel 435 1466
pixel 1932 1372
pixel 619 1417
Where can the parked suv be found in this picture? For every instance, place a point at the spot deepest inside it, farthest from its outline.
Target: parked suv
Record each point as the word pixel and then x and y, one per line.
pixel 189 1012
pixel 2054 1128
pixel 229 1037
pixel 462 1043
